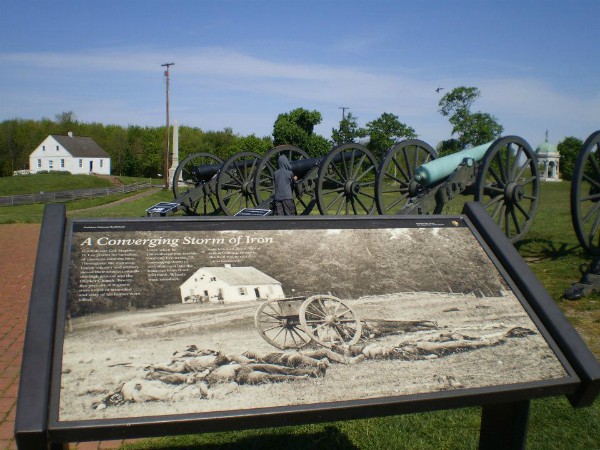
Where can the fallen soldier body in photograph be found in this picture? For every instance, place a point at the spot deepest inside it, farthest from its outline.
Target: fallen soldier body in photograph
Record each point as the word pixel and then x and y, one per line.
pixel 197 374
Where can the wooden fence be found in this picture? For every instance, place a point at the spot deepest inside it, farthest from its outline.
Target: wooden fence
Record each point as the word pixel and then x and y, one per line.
pixel 67 196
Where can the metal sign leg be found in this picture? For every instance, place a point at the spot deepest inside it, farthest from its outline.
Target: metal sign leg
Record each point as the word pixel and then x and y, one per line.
pixel 504 426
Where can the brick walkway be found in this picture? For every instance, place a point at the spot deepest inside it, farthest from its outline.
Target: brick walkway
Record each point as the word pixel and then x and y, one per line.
pixel 18 247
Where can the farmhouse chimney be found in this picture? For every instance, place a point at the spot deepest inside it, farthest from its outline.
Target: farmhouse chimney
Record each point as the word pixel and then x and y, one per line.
pixel 228 266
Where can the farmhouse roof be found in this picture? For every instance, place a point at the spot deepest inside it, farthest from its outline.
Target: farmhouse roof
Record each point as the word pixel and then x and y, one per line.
pixel 81 146
pixel 239 276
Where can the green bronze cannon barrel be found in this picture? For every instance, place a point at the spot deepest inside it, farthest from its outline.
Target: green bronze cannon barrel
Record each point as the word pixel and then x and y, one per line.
pixel 439 169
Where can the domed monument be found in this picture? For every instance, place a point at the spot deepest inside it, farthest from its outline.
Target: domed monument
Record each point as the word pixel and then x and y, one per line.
pixel 548 160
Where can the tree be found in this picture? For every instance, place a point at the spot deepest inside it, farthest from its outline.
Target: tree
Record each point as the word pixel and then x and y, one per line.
pixel 253 144
pixel 448 147
pixel 384 132
pixel 297 128
pixel 471 128
pixel 569 149
pixel 348 130
pixel 66 118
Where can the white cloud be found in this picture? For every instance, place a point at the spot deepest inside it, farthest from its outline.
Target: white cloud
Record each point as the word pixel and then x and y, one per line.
pixel 231 83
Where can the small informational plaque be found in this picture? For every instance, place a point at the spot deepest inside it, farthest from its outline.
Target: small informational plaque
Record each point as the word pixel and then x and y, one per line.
pixel 207 319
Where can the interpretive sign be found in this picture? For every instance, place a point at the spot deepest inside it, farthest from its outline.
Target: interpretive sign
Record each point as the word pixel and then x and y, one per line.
pixel 169 326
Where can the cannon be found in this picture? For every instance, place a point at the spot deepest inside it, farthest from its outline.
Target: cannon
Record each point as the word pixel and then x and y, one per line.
pixel 194 184
pixel 585 195
pixel 503 175
pixel 585 215
pixel 295 322
pixel 203 184
pixel 339 183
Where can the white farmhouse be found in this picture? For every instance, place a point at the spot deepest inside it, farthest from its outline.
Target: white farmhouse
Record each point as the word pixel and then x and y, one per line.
pixel 75 154
pixel 230 284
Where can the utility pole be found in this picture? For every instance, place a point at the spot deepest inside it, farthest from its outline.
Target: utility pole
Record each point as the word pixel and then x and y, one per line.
pixel 343 108
pixel 167 146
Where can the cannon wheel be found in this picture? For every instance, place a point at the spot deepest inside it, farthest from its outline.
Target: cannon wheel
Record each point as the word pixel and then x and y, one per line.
pixel 346 182
pixel 264 186
pixel 278 328
pixel 235 182
pixel 395 178
pixel 330 321
pixel 508 185
pixel 585 193
pixel 204 203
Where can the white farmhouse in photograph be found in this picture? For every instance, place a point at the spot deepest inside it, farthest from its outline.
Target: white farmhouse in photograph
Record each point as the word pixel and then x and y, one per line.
pixel 229 285
pixel 75 154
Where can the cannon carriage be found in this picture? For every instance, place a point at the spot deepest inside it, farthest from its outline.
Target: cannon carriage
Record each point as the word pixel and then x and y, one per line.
pixel 295 322
pixel 341 182
pixel 411 179
pixel 502 175
pixel 585 195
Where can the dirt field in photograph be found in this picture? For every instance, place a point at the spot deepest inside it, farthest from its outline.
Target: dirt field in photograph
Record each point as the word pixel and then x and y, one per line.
pixel 102 352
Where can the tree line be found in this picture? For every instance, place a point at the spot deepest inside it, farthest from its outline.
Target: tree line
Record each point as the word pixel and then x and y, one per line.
pixel 139 151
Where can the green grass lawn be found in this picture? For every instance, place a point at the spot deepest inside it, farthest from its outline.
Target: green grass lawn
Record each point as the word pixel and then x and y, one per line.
pixel 553 253
pixel 54 182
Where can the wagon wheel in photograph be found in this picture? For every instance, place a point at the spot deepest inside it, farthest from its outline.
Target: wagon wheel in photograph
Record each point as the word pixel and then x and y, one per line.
pixel 235 183
pixel 264 185
pixel 585 195
pixel 194 184
pixel 346 182
pixel 508 185
pixel 395 177
pixel 278 327
pixel 330 321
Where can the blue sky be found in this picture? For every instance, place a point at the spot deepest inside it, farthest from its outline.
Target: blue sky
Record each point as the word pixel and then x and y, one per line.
pixel 240 63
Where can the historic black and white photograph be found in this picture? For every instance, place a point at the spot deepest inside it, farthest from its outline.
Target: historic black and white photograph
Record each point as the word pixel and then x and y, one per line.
pixel 175 322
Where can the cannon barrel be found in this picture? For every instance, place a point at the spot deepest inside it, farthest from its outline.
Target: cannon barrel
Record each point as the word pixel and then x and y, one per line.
pixel 301 167
pixel 205 172
pixel 439 169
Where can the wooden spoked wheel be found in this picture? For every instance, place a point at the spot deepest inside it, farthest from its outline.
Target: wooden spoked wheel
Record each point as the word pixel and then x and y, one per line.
pixel 264 185
pixel 585 195
pixel 278 327
pixel 346 182
pixel 194 184
pixel 395 178
pixel 508 185
pixel 329 321
pixel 235 183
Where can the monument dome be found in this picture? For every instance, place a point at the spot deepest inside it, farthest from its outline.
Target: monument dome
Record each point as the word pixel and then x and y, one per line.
pixel 548 159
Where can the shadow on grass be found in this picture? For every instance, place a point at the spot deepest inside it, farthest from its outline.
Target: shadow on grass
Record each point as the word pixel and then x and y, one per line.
pixel 536 250
pixel 330 438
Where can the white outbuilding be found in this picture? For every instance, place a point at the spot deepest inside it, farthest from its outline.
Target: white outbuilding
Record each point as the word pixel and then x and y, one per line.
pixel 75 154
pixel 229 285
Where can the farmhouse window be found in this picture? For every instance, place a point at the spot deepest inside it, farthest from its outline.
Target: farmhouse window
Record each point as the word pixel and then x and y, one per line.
pixel 50 164
pixel 43 148
pixel 213 278
pixel 39 163
pixel 243 291
pixel 101 161
pixel 62 163
pixel 81 163
pixel 57 148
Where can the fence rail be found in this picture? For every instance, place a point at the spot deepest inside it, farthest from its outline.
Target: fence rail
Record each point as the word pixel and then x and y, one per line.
pixel 67 196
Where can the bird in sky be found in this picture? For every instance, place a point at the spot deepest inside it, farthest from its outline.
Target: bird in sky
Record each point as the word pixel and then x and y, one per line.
pixel 438 90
